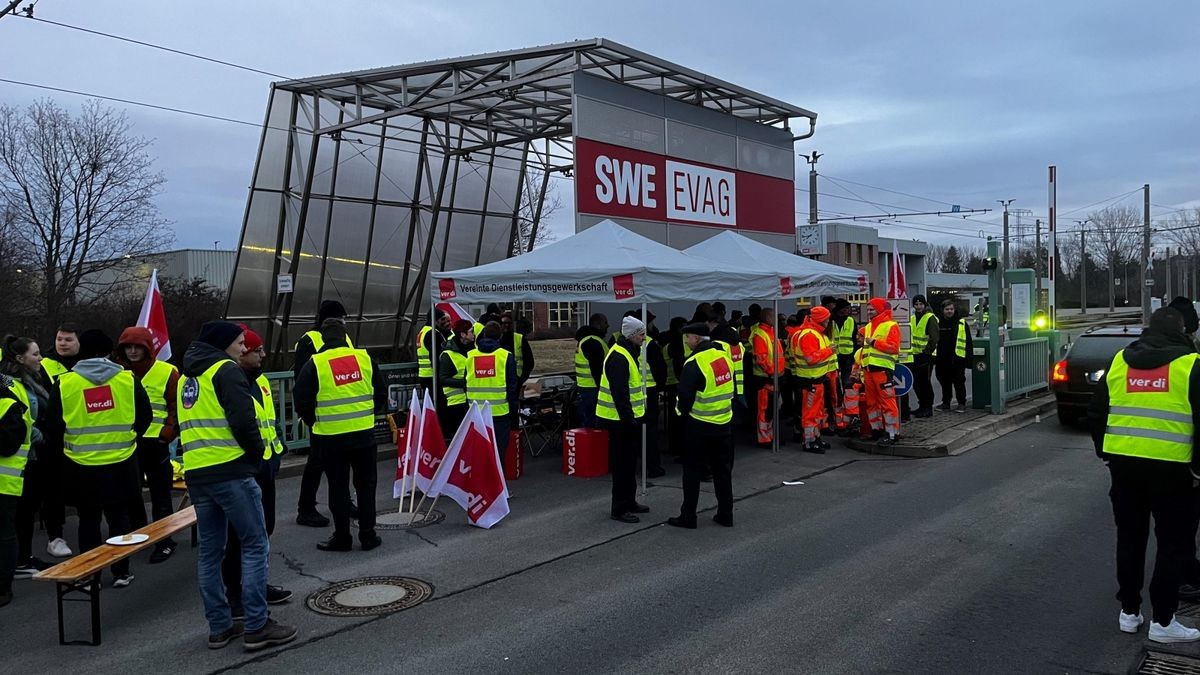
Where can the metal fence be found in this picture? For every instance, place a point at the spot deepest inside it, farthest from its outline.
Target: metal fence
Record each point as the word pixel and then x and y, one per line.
pixel 401 380
pixel 1026 366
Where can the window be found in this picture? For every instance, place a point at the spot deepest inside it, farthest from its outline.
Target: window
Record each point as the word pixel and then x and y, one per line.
pixel 561 314
pixel 523 310
pixel 858 298
pixel 846 257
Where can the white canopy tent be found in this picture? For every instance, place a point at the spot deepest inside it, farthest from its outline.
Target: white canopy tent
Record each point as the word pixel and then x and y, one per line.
pixel 605 263
pixel 806 277
pixel 608 263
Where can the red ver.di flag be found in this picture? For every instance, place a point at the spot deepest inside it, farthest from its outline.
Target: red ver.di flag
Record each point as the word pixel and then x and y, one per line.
pixel 897 285
pixel 431 449
pixel 471 474
pixel 407 451
pixel 153 317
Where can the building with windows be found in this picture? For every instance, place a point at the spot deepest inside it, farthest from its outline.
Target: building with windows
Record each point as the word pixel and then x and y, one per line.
pixel 860 247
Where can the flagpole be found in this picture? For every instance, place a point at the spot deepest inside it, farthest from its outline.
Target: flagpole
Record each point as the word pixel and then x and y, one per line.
pixel 642 365
pixel 774 398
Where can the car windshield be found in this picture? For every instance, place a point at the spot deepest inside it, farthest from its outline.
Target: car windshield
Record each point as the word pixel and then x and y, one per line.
pixel 1099 346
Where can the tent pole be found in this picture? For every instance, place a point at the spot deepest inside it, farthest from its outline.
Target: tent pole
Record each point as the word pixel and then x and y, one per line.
pixel 773 401
pixel 642 364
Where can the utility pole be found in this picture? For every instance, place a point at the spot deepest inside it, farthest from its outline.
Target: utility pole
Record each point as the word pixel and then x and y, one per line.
pixel 11 6
pixel 1004 255
pixel 812 185
pixel 1170 281
pixel 1037 260
pixel 1082 266
pixel 1147 282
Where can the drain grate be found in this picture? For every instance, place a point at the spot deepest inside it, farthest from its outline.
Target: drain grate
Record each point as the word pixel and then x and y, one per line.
pixel 369 596
pixel 1165 663
pixel 391 520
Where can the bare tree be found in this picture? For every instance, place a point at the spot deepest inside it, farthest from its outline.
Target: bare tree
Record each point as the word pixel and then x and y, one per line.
pixel 1069 254
pixel 82 189
pixel 1116 230
pixel 935 257
pixel 1182 231
pixel 530 214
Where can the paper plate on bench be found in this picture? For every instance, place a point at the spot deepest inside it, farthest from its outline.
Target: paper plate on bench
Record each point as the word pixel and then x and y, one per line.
pixel 127 539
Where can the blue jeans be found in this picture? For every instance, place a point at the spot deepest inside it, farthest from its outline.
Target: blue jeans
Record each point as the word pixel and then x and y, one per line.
pixel 586 406
pixel 236 503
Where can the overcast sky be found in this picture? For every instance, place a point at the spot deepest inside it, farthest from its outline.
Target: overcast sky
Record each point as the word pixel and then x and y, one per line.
pixel 955 103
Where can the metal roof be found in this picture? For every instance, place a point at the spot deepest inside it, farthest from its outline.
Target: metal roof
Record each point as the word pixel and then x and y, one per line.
pixel 526 94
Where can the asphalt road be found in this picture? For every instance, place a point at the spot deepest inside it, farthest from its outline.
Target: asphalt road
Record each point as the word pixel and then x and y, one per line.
pixel 999 560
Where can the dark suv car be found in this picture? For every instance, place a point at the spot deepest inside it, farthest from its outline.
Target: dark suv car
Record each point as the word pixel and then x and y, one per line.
pixel 1075 377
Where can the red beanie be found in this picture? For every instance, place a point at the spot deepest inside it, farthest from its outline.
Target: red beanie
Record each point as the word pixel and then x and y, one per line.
pixel 253 341
pixel 880 305
pixel 819 314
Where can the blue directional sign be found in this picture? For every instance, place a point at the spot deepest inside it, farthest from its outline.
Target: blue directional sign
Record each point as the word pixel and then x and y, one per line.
pixel 903 379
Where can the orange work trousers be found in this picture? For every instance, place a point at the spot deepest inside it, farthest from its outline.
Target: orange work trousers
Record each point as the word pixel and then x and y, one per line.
pixel 836 402
pixel 812 413
pixel 883 411
pixel 766 399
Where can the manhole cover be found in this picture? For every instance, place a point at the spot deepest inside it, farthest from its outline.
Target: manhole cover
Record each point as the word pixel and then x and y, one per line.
pixel 369 596
pixel 392 520
pixel 1163 663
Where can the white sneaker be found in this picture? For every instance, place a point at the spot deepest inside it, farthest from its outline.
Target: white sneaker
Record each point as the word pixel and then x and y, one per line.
pixel 1174 632
pixel 126 579
pixel 58 548
pixel 1130 623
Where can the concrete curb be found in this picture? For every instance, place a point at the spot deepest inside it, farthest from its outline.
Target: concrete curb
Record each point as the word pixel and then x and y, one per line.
pixel 969 435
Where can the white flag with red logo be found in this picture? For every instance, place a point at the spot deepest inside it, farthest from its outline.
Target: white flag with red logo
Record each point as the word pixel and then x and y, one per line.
pixel 431 450
pixel 471 474
pixel 154 318
pixel 897 285
pixel 406 451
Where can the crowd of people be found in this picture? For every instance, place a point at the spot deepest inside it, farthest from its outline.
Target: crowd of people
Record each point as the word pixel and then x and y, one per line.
pixel 835 377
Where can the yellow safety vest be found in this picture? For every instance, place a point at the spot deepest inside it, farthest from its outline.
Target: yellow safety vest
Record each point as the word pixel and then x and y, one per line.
pixel 265 412
pixel 843 336
pixel 736 353
pixel 12 469
pixel 155 383
pixel 816 370
pixel 714 404
pixel 518 341
pixel 605 407
pixel 345 393
pixel 919 336
pixel 666 352
pixel 456 395
pixel 204 434
pixel 54 369
pixel 487 379
pixel 583 371
pixel 645 359
pixel 424 356
pixel 99 419
pixel 1149 414
pixel 877 358
pixel 960 341
pixel 758 332
pixel 318 342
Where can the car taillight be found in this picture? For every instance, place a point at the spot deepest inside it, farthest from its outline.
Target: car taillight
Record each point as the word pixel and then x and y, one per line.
pixel 1060 372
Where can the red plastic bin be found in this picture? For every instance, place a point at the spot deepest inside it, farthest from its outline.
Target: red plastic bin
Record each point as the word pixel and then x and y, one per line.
pixel 585 453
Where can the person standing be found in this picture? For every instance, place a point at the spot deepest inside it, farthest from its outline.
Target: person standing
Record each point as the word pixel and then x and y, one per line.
pixel 54 365
pixel 705 401
pixel 452 374
pixel 814 361
pixel 621 407
pixel 436 332
pixel 656 378
pixel 222 446
pixel 951 359
pixel 337 394
pixel 136 353
pixel 492 379
pixel 880 354
pixel 844 333
pixel 517 345
pixel 1145 417
pixel 589 365
pixel 264 409
pixel 66 352
pixel 97 412
pixel 22 373
pixel 925 336
pixel 310 343
pixel 16 425
pixel 768 361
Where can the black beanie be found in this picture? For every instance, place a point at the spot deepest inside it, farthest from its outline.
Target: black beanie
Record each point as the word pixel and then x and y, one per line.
pixel 219 334
pixel 330 309
pixel 1191 322
pixel 94 344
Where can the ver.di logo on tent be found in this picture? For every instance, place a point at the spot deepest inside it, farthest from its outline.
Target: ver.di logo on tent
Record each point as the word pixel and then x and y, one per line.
pixel 623 287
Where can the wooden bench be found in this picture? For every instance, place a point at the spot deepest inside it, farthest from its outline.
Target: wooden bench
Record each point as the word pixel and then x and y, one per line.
pixel 81 575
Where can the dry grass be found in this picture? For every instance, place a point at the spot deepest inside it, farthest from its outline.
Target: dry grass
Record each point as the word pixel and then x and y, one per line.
pixel 553 356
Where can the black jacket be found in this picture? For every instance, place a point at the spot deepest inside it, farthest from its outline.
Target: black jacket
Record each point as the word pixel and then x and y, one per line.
pixel 692 381
pixel 448 375
pixel 304 351
pixel 656 364
pixel 1152 350
pixel 617 370
pixel 506 341
pixel 947 337
pixel 933 332
pixel 593 351
pixel 235 395
pixel 304 397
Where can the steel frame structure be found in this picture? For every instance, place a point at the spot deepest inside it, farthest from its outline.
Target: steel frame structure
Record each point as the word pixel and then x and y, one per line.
pixel 354 167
